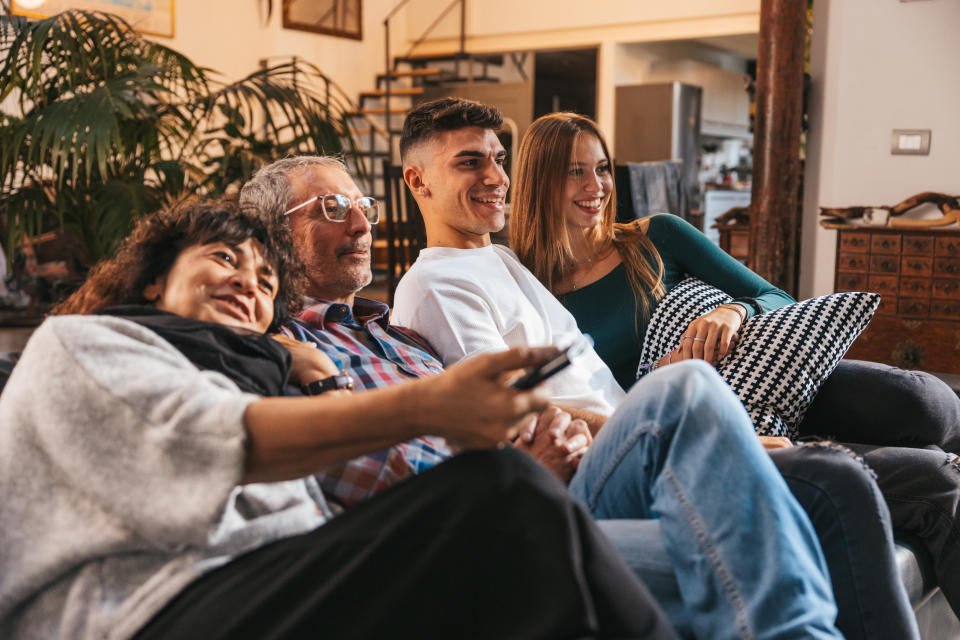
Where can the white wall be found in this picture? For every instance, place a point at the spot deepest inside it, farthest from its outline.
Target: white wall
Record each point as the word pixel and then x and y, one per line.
pixel 231 37
pixel 525 25
pixel 877 66
pixel 504 25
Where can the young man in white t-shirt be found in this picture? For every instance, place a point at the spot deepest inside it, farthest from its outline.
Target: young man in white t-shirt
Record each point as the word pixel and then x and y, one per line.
pixel 467 295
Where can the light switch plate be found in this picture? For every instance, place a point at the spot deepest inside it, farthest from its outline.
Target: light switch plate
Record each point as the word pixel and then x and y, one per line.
pixel 910 142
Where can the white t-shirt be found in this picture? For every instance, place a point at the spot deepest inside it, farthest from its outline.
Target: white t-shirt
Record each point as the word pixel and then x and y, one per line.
pixel 465 301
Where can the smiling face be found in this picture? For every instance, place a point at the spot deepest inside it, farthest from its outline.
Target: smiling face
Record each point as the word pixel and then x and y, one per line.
pixel 458 180
pixel 588 185
pixel 336 254
pixel 217 282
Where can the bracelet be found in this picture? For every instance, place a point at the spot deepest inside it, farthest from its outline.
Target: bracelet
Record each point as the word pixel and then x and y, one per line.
pixel 733 306
pixel 342 380
pixel 669 360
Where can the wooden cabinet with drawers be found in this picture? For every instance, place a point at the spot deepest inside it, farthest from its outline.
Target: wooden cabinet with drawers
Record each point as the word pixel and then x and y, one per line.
pixel 917 271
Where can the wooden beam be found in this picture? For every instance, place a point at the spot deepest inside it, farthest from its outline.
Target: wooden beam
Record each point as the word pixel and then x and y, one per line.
pixel 774 206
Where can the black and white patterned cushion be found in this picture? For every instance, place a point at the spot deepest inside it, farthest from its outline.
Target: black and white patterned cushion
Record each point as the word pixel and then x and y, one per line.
pixel 782 357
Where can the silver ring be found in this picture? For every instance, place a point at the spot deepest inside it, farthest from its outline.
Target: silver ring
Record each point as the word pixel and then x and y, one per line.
pixel 687 338
pixel 700 339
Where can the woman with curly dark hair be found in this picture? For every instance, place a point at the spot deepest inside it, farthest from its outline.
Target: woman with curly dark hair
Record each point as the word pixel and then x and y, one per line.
pixel 154 245
pixel 151 488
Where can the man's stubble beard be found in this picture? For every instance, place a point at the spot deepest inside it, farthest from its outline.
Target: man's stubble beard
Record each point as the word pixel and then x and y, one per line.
pixel 338 280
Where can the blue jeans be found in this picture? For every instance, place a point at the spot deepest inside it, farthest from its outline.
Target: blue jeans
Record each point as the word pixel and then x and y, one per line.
pixel 852 523
pixel 681 448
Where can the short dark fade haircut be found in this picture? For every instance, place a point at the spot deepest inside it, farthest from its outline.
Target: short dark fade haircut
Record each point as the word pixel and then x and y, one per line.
pixel 158 239
pixel 445 114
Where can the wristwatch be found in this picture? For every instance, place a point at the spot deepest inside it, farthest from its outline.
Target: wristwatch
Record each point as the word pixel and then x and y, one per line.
pixel 341 380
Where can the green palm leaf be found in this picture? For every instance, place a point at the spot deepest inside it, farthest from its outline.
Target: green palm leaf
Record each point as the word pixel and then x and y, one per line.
pixel 108 126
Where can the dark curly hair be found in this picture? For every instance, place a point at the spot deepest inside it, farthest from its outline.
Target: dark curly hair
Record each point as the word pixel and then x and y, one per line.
pixel 152 247
pixel 445 114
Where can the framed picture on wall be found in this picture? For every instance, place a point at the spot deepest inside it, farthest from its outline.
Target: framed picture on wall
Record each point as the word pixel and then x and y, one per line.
pixel 333 17
pixel 154 17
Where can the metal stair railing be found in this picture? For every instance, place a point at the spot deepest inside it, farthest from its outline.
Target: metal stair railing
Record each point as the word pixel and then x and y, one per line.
pixel 390 68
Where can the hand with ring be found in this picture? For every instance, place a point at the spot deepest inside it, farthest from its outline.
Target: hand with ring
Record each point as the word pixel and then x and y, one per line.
pixel 711 336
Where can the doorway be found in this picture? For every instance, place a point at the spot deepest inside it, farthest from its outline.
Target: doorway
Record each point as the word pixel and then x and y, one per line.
pixel 565 81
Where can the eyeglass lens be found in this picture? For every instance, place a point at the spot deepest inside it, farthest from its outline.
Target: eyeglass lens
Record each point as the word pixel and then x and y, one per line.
pixel 337 207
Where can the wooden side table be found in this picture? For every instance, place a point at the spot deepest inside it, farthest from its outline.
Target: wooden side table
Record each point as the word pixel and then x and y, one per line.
pixel 734 229
pixel 917 271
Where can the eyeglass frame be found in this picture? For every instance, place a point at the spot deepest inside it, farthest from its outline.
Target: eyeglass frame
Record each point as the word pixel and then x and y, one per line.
pixel 323 208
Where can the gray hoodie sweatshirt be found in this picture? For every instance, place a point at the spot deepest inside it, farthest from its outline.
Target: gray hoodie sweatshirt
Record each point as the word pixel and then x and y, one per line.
pixel 119 471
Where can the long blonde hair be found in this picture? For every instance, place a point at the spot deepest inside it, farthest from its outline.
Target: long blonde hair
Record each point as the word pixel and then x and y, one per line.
pixel 538 233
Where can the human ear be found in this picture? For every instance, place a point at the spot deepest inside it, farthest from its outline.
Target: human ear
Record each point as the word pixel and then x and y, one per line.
pixel 153 292
pixel 413 176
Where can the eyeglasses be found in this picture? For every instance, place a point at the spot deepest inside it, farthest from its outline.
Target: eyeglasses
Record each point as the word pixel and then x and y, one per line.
pixel 336 207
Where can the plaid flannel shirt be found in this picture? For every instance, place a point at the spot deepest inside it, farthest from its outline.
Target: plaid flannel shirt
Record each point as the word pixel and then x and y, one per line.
pixel 388 355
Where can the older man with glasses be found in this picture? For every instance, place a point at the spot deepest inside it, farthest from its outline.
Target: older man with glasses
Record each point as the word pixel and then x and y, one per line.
pixel 332 222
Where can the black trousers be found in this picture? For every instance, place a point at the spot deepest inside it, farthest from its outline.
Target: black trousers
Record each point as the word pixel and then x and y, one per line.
pixel 486 545
pixel 922 489
pixel 907 420
pixel 874 403
pixel 853 524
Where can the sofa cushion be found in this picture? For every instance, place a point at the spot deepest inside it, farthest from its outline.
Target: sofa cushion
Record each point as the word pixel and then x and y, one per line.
pixel 935 619
pixel 782 356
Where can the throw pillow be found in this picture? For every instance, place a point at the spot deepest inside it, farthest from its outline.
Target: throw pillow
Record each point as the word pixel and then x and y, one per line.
pixel 782 356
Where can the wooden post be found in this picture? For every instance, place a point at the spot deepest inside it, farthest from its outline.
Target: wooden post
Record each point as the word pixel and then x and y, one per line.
pixel 774 206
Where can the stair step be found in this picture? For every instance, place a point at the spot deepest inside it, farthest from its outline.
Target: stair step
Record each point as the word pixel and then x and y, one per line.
pixel 491 58
pixel 365 131
pixel 399 91
pixel 409 73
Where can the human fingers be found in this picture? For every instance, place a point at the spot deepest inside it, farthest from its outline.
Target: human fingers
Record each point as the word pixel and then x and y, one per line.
pixel 685 347
pixel 578 437
pixel 676 355
pixel 558 423
pixel 290 343
pixel 775 442
pixel 503 365
pixel 725 345
pixel 527 429
pixel 700 337
pixel 710 344
pixel 308 363
pixel 469 400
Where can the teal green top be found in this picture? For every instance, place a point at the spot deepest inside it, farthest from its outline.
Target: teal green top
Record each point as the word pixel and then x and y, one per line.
pixel 606 308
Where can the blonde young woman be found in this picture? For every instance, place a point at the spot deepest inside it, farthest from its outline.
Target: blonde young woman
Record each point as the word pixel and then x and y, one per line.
pixel 563 229
pixel 610 276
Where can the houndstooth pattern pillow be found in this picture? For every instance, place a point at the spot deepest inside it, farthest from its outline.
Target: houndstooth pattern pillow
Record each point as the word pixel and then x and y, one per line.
pixel 782 357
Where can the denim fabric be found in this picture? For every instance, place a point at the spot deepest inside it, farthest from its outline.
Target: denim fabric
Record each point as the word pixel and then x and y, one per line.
pixel 681 448
pixel 853 526
pixel 852 522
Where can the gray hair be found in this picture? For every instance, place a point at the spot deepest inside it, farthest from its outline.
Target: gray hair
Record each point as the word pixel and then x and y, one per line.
pixel 269 192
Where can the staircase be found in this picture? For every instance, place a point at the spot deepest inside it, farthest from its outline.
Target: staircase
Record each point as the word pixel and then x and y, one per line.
pixel 377 121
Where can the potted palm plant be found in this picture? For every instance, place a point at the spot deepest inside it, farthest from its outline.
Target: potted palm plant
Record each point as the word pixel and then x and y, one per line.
pixel 99 125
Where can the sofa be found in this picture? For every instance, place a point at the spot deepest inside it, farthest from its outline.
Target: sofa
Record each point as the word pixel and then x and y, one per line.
pixel 935 618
